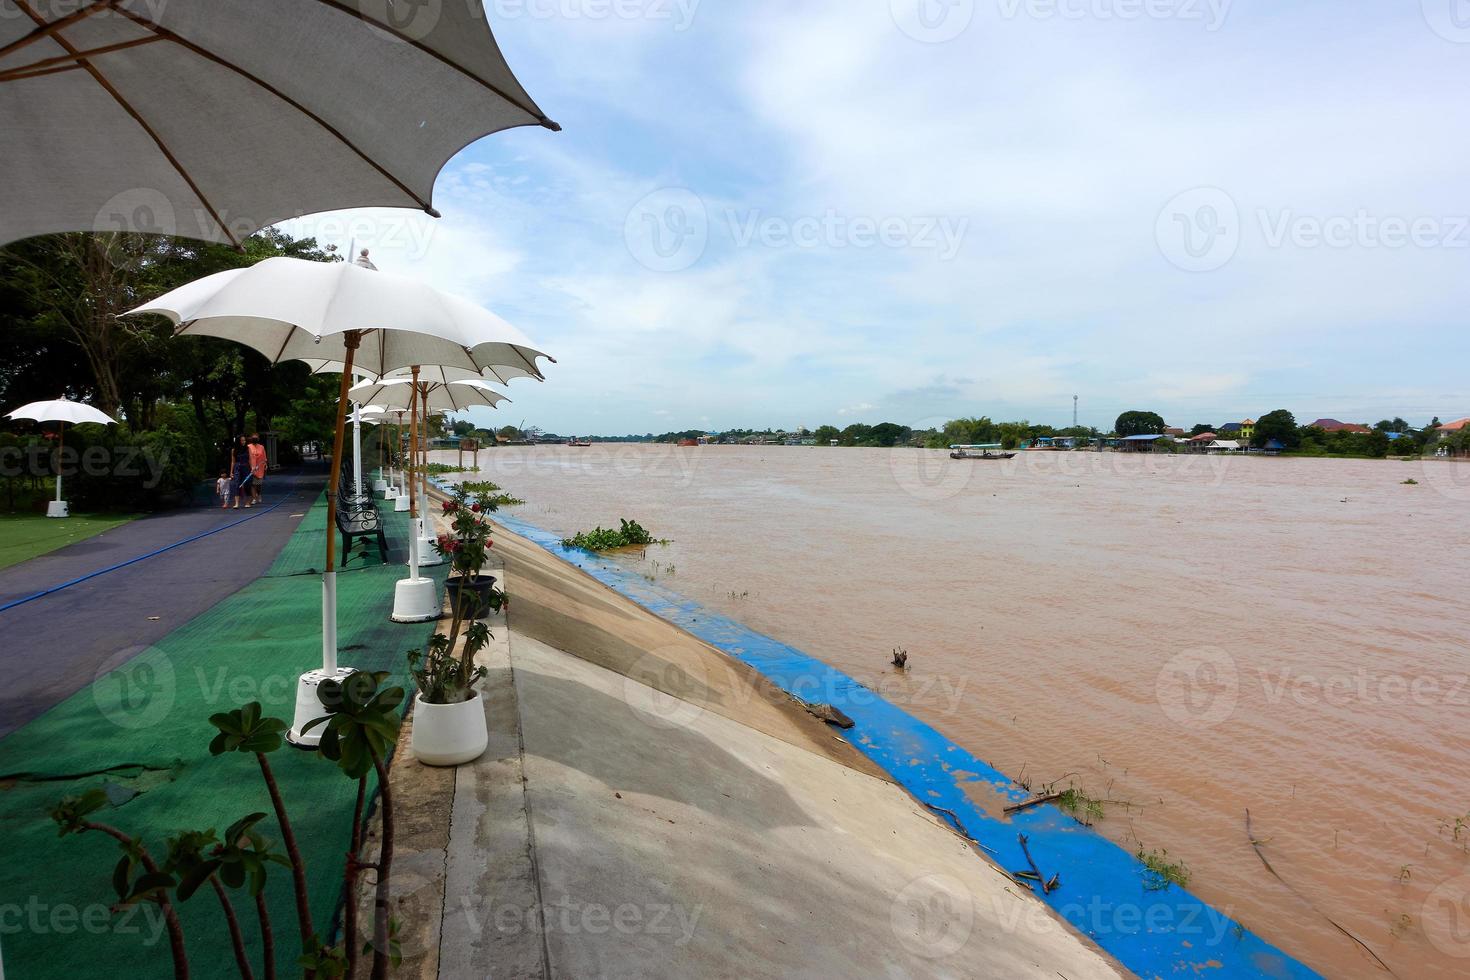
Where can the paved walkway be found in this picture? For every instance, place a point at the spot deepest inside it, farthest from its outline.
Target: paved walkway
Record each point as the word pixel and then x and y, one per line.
pixel 58 643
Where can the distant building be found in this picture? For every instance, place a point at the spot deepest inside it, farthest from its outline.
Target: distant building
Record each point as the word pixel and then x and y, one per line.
pixel 1248 429
pixel 1450 428
pixel 1139 444
pixel 1173 432
pixel 1231 429
pixel 1333 425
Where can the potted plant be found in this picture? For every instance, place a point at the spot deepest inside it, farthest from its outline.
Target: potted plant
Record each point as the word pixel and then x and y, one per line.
pixel 449 716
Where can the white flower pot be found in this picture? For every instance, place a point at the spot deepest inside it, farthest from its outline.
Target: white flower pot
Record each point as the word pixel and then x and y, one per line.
pixel 448 734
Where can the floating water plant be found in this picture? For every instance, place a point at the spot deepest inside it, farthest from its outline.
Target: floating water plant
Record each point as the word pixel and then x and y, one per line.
pixel 1160 872
pixel 631 533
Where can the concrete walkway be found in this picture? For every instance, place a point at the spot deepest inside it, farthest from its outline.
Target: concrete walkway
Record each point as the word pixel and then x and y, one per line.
pixel 613 829
pixel 57 644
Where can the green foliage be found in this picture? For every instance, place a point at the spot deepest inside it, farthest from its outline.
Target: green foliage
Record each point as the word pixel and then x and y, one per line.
pixel 490 496
pixel 1160 872
pixel 1279 425
pixel 604 539
pixel 361 721
pixel 825 434
pixel 443 678
pixel 244 730
pixel 1137 423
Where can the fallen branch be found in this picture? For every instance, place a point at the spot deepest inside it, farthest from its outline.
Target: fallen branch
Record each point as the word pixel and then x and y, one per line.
pixel 959 827
pixel 1034 801
pixel 1046 886
pixel 1256 846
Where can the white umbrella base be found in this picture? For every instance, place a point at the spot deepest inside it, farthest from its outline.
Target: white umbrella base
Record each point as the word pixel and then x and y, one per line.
pixel 415 600
pixel 309 706
pixel 400 504
pixel 390 492
pixel 428 557
pixel 380 486
pixel 58 508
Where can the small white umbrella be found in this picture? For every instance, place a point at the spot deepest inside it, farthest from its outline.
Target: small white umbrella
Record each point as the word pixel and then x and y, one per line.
pixel 61 410
pixel 457 396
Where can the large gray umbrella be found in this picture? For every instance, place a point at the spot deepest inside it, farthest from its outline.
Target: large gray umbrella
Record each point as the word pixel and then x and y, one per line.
pixel 211 119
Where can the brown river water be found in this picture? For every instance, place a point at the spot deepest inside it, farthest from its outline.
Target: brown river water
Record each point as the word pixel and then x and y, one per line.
pixel 1193 636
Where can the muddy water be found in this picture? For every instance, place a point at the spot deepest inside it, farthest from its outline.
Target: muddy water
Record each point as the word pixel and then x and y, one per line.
pixel 1194 636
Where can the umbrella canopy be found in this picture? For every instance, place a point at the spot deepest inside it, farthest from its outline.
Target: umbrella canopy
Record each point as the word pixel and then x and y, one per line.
pixel 213 120
pixel 290 309
pixel 499 373
pixel 455 397
pixel 61 410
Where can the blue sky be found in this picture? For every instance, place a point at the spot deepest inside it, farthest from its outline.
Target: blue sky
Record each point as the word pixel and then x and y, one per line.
pixel 775 213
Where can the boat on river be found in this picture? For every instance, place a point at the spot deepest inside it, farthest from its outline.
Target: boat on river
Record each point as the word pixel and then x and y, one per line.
pixel 981 451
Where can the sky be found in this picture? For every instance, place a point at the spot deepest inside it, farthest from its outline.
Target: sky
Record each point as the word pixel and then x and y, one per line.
pixel 834 211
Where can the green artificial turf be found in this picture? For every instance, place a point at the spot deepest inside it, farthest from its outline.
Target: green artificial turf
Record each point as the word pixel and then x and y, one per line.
pixel 24 536
pixel 150 714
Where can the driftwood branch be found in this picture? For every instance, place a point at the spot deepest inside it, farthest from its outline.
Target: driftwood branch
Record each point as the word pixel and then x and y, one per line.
pixel 1046 886
pixel 1034 801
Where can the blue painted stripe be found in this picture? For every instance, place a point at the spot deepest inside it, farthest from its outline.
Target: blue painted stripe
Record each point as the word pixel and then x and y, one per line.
pixel 1105 891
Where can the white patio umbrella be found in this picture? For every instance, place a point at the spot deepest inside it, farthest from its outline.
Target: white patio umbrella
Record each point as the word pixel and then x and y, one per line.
pixel 291 308
pixel 426 398
pixel 213 120
pixel 62 411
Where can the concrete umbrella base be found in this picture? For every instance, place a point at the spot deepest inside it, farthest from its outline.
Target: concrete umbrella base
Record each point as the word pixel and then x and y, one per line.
pixel 58 508
pixel 309 706
pixel 415 600
pixel 400 504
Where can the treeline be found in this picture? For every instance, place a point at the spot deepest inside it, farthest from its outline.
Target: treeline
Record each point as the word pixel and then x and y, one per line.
pixel 61 336
pixel 1386 437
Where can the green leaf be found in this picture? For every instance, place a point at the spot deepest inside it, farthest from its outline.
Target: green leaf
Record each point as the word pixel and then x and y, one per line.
pixel 195 877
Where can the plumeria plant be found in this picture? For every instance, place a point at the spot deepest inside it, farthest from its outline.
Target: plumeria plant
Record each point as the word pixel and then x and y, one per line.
pixel 441 676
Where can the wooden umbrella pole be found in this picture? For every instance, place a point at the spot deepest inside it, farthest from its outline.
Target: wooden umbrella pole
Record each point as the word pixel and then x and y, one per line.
pixel 352 338
pixel 413 447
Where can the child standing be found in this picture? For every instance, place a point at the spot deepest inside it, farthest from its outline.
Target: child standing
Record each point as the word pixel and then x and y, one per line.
pixel 222 490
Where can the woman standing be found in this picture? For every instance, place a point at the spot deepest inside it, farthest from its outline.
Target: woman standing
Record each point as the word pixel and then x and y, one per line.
pixel 240 470
pixel 257 466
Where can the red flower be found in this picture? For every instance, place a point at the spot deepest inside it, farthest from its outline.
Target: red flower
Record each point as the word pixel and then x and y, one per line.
pixel 475 508
pixel 450 507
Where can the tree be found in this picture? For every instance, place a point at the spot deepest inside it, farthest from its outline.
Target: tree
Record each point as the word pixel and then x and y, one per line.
pixel 1136 423
pixel 1279 425
pixel 855 434
pixel 888 434
pixel 825 434
pixel 1377 443
pixel 1201 429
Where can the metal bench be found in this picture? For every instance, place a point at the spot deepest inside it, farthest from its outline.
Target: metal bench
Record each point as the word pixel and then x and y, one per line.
pixel 355 520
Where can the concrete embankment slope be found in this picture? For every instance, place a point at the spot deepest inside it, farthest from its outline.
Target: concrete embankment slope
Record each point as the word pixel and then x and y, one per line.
pixel 650 807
